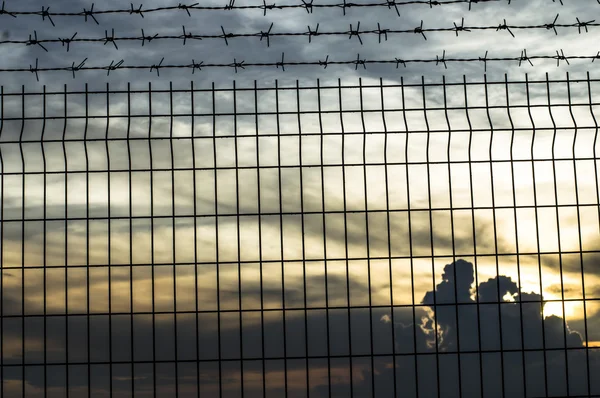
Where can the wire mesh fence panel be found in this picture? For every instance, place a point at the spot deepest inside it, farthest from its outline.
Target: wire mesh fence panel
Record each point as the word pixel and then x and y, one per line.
pixel 325 240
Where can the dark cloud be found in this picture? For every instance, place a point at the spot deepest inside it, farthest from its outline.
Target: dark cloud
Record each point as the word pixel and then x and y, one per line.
pixel 451 320
pixel 535 345
pixel 478 337
pixel 252 49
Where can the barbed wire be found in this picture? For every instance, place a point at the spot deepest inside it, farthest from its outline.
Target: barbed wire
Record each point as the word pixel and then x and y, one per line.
pixel 268 34
pixel 438 60
pixel 307 5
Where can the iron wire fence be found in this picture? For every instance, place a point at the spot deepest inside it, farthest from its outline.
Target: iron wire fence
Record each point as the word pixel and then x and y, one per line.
pixel 413 239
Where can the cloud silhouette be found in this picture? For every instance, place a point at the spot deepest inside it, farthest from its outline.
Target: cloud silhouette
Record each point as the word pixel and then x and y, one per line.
pixel 506 349
pixel 491 340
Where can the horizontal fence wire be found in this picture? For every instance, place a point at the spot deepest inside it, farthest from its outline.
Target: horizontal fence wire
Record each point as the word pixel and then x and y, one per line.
pixel 231 6
pixel 267 34
pixel 364 240
pixel 358 62
pixel 240 63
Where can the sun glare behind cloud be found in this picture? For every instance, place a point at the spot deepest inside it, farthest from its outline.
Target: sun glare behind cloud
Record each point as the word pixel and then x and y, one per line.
pixel 571 309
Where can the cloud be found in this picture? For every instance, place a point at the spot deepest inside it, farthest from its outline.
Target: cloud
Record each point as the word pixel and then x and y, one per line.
pixel 452 321
pixel 534 363
pixel 477 336
pixel 251 49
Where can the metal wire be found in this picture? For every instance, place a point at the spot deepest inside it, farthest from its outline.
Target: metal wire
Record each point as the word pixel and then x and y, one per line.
pixel 307 5
pixel 265 241
pixel 240 65
pixel 268 34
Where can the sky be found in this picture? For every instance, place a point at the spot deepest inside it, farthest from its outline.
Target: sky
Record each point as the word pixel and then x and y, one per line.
pixel 336 246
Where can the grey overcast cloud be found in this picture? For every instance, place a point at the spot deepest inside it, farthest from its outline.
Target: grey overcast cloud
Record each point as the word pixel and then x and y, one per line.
pixel 178 245
pixel 474 44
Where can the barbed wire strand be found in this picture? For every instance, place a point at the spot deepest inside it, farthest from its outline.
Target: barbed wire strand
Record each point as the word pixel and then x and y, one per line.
pixel 268 34
pixel 307 5
pixel 237 65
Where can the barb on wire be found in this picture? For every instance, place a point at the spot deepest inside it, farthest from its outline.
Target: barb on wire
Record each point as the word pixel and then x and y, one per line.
pixel 157 67
pixel 345 5
pixel 553 25
pixel 186 36
pixel 230 6
pixel 226 35
pixel 561 57
pixel 584 24
pixel 324 63
pixel 113 67
pixel 312 33
pixel 3 11
pixel 187 8
pixel 561 3
pixel 356 32
pixel 149 38
pixel 90 13
pixel 308 6
pixel 35 70
pixel 484 60
pixel 419 30
pixel 305 4
pixel 282 63
pixel 264 35
pixel 196 66
pixel 136 11
pixel 359 61
pixel 78 67
pixel 380 32
pixel 524 57
pixel 45 13
pixel 34 41
pixel 237 65
pixel 505 27
pixel 68 41
pixel 111 38
pixel 460 28
pixel 356 62
pixel 441 60
pixel 266 7
pixel 391 3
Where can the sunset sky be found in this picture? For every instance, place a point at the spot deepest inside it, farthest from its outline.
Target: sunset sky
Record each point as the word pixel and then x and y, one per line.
pixel 343 204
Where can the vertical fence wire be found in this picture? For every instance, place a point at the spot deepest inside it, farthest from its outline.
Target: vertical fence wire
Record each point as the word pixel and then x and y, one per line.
pixel 22 153
pixel 281 242
pixel 537 234
pixel 2 248
pixel 130 226
pixel 325 268
pixel 537 231
pixel 579 239
pixel 597 192
pixel 388 239
pixel 368 243
pixel 493 202
pixel 410 243
pixel 87 245
pixel 431 240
